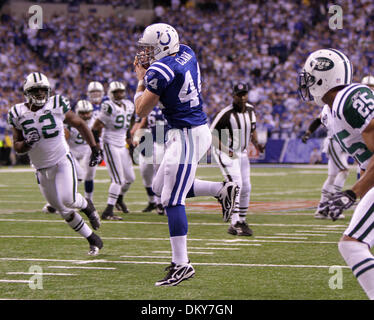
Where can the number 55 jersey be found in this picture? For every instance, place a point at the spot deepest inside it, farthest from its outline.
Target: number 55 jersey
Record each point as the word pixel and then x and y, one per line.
pixel 352 111
pixel 48 123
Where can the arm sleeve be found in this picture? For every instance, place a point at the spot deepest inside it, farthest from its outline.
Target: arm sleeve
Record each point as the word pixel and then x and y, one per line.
pixel 314 125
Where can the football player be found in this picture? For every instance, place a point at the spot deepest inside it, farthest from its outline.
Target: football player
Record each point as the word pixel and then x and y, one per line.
pixel 38 129
pixel 168 72
pixel 113 122
pixel 79 149
pixel 327 79
pixel 95 94
pixel 151 140
pixel 337 163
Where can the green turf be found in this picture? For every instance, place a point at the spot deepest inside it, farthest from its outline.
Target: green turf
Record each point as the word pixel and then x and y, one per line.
pixel 288 258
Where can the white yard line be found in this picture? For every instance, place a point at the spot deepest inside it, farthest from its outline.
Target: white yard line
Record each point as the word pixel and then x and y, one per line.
pixel 301 234
pixel 331 227
pixel 43 273
pixel 76 267
pixel 14 281
pixel 195 263
pixel 219 241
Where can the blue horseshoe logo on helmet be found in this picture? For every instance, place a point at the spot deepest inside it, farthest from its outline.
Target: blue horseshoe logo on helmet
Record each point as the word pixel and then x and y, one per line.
pixel 163 43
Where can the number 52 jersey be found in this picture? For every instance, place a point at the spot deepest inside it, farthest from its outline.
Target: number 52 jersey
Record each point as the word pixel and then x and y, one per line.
pixel 352 111
pixel 48 122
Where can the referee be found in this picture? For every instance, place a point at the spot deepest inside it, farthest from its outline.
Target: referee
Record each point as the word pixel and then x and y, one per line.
pixel 233 128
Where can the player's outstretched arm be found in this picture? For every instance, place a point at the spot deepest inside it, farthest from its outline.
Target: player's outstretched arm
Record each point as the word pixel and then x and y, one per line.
pixel 77 122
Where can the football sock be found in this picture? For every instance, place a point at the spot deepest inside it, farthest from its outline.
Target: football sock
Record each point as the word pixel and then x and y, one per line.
pixel 88 189
pixel 340 180
pixel 151 194
pixel 359 258
pixel 178 228
pixel 76 222
pixel 234 218
pixel 206 188
pixel 179 249
pixel 114 191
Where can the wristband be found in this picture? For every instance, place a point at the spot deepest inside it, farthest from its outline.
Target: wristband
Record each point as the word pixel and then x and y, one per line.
pixel 140 83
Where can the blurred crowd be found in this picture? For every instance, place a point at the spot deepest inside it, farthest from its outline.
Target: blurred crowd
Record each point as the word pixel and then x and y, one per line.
pixel 263 43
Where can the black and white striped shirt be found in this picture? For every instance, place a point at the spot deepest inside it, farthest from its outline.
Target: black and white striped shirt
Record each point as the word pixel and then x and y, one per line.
pixel 234 128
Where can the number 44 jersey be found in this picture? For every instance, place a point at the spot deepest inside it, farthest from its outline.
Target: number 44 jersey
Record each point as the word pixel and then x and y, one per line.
pixel 48 122
pixel 116 119
pixel 352 111
pixel 177 81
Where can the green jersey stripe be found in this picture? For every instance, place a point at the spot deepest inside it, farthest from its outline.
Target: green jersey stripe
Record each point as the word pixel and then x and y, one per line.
pixel 15 110
pixel 362 221
pixel 111 164
pixel 74 176
pixel 335 157
pixel 342 99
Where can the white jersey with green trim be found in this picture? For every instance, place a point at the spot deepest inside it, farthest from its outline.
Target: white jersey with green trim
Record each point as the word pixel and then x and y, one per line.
pixel 116 119
pixel 325 117
pixel 352 111
pixel 48 122
pixel 78 146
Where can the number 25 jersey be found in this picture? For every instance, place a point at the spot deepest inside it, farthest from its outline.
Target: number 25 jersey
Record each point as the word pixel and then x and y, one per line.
pixel 177 81
pixel 352 111
pixel 48 122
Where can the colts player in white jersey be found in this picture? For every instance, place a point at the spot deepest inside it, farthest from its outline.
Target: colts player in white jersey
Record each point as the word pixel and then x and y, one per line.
pixel 95 94
pixel 38 129
pixel 337 163
pixel 172 81
pixel 113 123
pixel 150 134
pixel 327 79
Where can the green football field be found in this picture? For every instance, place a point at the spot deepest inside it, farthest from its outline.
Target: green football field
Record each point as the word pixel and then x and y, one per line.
pixel 291 255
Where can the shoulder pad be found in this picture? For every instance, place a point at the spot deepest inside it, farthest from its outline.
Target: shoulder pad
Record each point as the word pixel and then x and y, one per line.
pixel 355 105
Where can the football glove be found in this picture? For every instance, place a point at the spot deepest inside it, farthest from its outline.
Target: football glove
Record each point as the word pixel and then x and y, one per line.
pixel 96 156
pixel 32 138
pixel 305 137
pixel 339 202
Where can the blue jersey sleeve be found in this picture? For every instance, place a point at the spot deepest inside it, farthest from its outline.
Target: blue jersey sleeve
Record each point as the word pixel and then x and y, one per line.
pixel 158 77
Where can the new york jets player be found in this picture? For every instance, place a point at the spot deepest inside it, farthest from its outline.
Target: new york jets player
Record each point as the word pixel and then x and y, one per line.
pixel 78 146
pixel 173 79
pixel 114 122
pixel 150 132
pixel 327 79
pixel 337 163
pixel 79 149
pixel 38 129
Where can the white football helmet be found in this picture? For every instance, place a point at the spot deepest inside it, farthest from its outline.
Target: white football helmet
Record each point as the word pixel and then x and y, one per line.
pixel 95 92
pixel 84 106
pixel 84 109
pixel 33 82
pixel 158 40
pixel 324 70
pixel 368 80
pixel 114 86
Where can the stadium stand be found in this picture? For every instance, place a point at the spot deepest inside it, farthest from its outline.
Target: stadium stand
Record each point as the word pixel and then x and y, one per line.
pixel 263 43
